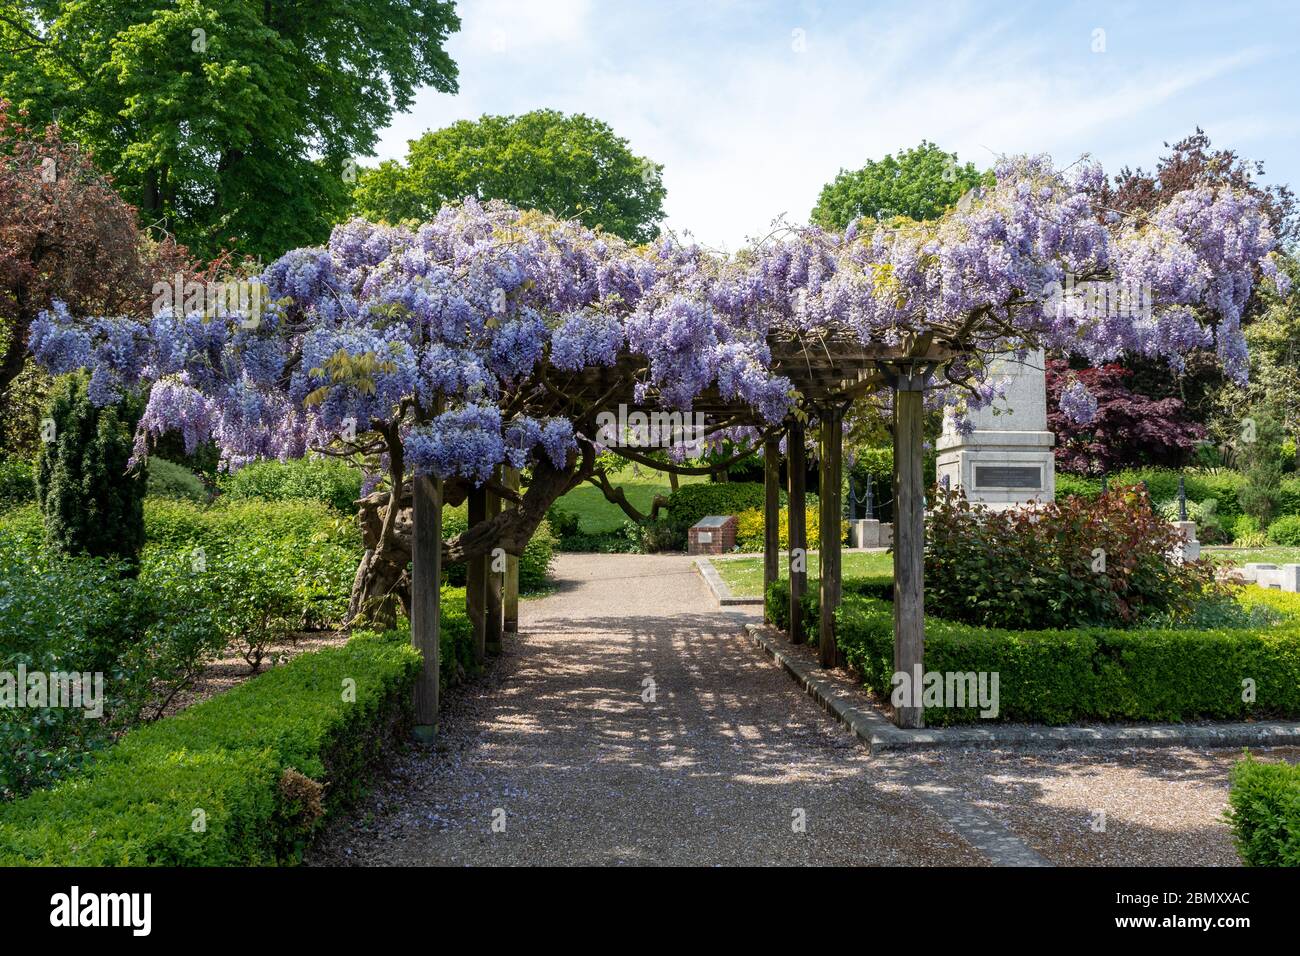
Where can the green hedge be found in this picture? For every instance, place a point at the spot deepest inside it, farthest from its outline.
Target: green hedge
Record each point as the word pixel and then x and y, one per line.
pixel 17 481
pixel 1067 676
pixel 777 600
pixel 170 480
pixel 689 503
pixel 230 758
pixel 1264 812
pixel 1220 484
pixel 326 480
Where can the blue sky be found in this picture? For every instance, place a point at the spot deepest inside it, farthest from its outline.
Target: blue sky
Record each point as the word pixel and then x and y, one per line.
pixel 752 106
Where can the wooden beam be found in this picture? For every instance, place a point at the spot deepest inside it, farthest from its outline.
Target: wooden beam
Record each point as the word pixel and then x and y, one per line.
pixel 426 578
pixel 494 579
pixel 510 601
pixel 476 579
pixel 797 536
pixel 832 445
pixel 771 513
pixel 909 543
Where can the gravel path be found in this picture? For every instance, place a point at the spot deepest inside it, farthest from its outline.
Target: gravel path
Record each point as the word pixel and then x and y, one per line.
pixel 558 743
pixel 632 723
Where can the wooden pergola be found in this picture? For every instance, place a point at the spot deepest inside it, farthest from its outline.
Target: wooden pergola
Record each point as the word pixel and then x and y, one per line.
pixel 830 371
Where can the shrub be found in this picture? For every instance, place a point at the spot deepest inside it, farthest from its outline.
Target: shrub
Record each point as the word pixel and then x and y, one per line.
pixel 170 480
pixel 689 503
pixel 17 482
pixel 326 480
pixel 239 758
pixel 1264 812
pixel 1206 515
pixel 776 602
pixel 534 564
pixel 1288 497
pixel 1285 531
pixel 1065 564
pixel 1058 676
pixel 653 537
pixel 147 636
pixel 564 524
pixel 1068 485
pixel 92 499
pixel 308 549
pixel 749 527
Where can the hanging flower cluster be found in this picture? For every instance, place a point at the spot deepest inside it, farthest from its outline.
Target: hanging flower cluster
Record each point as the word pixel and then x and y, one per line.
pixel 457 338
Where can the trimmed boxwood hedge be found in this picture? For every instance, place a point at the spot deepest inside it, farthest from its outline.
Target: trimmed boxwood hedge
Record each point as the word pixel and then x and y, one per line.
pixel 258 766
pixel 1264 812
pixel 777 600
pixel 1068 676
pixel 689 503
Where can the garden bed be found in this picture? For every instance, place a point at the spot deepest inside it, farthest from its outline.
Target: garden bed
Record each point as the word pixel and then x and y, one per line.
pixel 242 779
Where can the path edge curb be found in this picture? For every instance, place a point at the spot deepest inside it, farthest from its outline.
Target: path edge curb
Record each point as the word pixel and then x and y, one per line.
pixel 721 593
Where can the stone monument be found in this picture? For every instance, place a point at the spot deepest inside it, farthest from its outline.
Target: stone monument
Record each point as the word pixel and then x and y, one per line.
pixel 1007 460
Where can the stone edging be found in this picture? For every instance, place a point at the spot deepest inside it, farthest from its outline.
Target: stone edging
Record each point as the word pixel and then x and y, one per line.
pixel 873 729
pixel 721 593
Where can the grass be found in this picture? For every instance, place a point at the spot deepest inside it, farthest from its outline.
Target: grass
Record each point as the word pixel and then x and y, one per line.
pixel 597 515
pixel 744 575
pixel 1270 555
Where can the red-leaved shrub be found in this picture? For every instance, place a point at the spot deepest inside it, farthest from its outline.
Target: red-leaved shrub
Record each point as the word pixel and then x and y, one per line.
pixel 1073 563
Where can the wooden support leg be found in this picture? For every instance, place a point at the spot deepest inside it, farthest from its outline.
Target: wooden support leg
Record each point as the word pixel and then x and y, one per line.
pixel 510 625
pixel 426 578
pixel 771 514
pixel 796 458
pixel 832 443
pixel 909 547
pixel 476 573
pixel 495 579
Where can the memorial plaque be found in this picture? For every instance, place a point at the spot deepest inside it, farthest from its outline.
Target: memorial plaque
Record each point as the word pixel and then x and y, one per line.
pixel 1008 476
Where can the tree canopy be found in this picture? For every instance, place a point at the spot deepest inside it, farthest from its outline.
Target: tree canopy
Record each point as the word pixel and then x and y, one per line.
pixel 571 166
pixel 920 183
pixel 66 235
pixel 222 118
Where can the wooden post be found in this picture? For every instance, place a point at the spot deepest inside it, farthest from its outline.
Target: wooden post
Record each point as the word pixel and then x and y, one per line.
pixel 771 514
pixel 796 502
pixel 494 577
pixel 909 543
pixel 476 580
pixel 426 578
pixel 832 444
pixel 510 624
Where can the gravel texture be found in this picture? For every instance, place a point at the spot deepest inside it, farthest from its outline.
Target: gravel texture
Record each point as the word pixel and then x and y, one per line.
pixel 554 757
pixel 558 737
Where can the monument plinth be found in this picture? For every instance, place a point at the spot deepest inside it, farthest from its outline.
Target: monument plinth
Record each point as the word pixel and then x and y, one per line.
pixel 1007 460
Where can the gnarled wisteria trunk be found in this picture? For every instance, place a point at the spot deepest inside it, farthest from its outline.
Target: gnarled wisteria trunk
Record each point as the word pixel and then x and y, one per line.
pixel 383 582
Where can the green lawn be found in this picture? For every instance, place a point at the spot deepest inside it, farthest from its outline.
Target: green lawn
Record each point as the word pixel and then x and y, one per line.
pixel 596 515
pixel 1252 555
pixel 744 575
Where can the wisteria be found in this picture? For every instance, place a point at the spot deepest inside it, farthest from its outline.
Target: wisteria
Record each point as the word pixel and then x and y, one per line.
pixel 456 339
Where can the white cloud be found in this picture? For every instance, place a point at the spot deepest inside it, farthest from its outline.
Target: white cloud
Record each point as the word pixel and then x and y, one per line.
pixel 748 128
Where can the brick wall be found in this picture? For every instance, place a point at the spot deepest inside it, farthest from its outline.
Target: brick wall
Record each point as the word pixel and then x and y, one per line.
pixel 710 537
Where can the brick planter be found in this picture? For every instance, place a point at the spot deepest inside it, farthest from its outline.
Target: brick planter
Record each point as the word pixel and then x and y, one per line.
pixel 714 534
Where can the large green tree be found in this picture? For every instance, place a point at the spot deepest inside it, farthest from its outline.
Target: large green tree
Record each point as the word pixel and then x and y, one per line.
pixel 919 183
pixel 226 119
pixel 571 166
